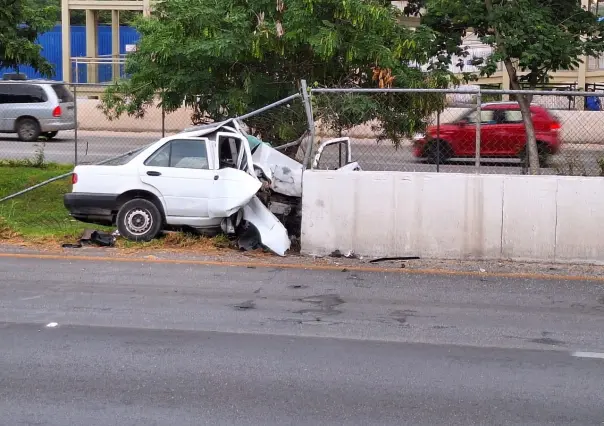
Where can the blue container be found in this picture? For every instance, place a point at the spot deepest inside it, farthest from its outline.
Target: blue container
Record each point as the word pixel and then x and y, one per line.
pixel 52 50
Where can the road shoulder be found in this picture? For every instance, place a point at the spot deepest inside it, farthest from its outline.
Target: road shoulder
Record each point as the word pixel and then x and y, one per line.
pixel 259 259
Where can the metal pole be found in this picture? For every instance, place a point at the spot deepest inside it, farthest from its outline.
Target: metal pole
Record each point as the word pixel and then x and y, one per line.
pixel 467 92
pixel 438 142
pixel 75 114
pixel 478 121
pixel 31 188
pixel 311 123
pixel 267 107
pixel 163 119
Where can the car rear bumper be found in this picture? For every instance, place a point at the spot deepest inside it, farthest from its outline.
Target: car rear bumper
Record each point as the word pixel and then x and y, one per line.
pixel 91 208
pixel 57 125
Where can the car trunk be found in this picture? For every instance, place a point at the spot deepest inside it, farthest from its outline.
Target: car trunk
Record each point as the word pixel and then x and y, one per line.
pixel 66 101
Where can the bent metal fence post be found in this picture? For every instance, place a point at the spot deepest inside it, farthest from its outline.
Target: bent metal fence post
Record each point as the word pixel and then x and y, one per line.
pixel 311 124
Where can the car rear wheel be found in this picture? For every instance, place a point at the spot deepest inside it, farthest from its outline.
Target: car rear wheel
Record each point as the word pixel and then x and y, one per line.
pixel 139 220
pixel 50 135
pixel 438 151
pixel 543 152
pixel 28 130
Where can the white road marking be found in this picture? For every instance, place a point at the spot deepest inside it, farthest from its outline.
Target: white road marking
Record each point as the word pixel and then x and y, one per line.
pixel 598 355
pixel 52 324
pixel 32 297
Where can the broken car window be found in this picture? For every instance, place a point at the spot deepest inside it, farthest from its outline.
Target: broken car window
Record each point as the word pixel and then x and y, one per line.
pixel 231 153
pixel 333 156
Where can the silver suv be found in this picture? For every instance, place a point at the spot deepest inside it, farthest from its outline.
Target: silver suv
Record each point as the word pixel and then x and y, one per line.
pixel 34 108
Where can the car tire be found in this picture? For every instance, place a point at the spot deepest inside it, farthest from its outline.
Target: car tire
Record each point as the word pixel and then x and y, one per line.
pixel 50 135
pixel 248 237
pixel 438 152
pixel 543 152
pixel 28 130
pixel 139 220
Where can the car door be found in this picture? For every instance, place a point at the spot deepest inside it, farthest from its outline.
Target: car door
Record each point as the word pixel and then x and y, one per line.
pixel 490 129
pixel 4 105
pixel 511 133
pixel 333 154
pixel 467 132
pixel 235 183
pixel 182 171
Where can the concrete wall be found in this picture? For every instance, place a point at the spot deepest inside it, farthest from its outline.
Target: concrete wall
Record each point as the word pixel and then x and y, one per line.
pixel 454 216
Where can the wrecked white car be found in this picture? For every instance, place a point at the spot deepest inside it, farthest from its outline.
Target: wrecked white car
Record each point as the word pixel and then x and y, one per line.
pixel 210 178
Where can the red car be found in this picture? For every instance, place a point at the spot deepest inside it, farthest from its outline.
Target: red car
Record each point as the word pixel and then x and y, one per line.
pixel 501 134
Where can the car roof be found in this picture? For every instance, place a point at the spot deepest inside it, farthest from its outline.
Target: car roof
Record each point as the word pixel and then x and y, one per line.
pixel 38 81
pixel 508 104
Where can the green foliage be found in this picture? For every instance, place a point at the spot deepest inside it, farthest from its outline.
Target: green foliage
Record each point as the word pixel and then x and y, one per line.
pixel 78 17
pixel 230 57
pixel 20 23
pixel 537 37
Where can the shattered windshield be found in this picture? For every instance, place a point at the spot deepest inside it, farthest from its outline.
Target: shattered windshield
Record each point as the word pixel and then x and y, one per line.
pixel 126 158
pixel 254 142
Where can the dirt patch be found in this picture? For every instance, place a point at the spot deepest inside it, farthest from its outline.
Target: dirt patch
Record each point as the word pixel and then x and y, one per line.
pixel 186 248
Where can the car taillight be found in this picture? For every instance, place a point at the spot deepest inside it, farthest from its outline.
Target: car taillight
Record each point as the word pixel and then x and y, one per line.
pixel 74 178
pixel 56 112
pixel 556 126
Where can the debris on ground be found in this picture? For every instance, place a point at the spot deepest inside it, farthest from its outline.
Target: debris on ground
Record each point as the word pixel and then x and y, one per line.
pixel 336 253
pixel 93 238
pixel 388 259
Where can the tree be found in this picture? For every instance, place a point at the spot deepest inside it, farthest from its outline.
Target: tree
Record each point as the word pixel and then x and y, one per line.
pixel 78 17
pixel 20 23
pixel 230 57
pixel 530 37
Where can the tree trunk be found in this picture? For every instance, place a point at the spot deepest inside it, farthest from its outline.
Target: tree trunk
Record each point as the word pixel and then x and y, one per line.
pixel 524 101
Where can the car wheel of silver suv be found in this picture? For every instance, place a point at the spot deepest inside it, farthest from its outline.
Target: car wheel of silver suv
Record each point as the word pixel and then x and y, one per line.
pixel 28 130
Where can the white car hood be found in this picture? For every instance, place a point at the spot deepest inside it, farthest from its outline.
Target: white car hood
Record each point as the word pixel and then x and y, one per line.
pixel 285 173
pixel 272 232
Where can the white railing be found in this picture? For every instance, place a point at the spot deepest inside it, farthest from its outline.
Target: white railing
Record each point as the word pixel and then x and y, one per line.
pixel 595 64
pixel 99 60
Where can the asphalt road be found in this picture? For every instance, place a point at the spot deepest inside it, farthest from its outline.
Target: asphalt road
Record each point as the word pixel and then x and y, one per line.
pixel 97 146
pixel 166 344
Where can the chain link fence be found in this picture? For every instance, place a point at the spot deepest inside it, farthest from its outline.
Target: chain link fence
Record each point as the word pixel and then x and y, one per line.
pixel 569 129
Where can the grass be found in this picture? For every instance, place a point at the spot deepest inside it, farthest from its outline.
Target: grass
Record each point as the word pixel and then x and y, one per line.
pixel 39 217
pixel 39 213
